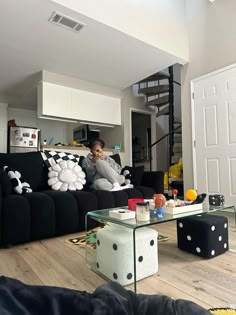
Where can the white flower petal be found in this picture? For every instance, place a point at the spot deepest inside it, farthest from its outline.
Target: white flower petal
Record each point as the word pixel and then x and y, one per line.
pixel 57 186
pixel 63 164
pixel 52 181
pixel 77 169
pixel 81 180
pixel 70 164
pixel 64 187
pixel 78 185
pixel 56 167
pixel 52 174
pixel 72 186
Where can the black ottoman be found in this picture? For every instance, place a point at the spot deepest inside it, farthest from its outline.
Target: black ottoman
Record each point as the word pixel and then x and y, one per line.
pixel 203 235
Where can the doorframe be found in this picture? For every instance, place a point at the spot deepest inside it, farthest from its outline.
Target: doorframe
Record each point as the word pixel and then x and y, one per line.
pixel 194 153
pixel 153 132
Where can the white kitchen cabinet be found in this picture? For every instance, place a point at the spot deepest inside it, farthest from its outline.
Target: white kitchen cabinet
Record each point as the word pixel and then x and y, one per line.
pixel 64 103
pixel 54 100
pixel 95 107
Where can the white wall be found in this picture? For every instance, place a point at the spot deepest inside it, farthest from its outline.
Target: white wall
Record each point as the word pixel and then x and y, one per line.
pixel 212 43
pixel 3 127
pixel 160 23
pixel 49 128
pixel 130 102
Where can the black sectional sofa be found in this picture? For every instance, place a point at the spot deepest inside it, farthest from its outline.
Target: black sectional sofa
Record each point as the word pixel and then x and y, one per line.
pixel 46 213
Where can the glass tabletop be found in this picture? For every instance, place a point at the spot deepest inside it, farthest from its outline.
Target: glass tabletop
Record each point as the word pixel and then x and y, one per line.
pixel 103 215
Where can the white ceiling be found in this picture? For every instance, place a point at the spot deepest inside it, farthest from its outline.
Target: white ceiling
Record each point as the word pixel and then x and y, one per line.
pixel 100 54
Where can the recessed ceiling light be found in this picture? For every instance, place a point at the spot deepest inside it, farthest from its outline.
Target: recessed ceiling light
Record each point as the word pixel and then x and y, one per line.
pixel 212 0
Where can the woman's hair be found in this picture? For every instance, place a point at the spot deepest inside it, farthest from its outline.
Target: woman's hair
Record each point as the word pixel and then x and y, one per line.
pixel 96 141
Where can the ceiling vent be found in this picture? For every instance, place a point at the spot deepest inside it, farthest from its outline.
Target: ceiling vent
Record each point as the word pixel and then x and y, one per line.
pixel 66 21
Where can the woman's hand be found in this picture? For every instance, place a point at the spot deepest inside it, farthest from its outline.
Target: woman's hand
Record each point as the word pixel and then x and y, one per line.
pixel 97 157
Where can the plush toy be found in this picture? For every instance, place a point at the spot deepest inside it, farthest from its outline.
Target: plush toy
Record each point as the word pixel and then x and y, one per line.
pixel 18 183
pixel 127 175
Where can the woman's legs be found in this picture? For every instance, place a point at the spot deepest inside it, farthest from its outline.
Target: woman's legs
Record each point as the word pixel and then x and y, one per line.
pixel 104 170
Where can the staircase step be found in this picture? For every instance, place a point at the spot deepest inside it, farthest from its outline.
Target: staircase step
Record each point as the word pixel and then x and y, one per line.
pixel 160 101
pixel 155 77
pixel 153 90
pixel 175 158
pixel 177 148
pixel 164 111
pixel 177 138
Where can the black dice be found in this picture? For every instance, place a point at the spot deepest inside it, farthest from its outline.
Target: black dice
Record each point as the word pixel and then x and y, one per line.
pixel 203 235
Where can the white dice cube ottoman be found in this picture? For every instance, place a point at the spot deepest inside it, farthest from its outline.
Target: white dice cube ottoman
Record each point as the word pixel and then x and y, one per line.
pixel 115 257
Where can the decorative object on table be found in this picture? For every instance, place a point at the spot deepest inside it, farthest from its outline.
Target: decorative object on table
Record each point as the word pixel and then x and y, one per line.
pixel 191 194
pixel 175 193
pixel 222 311
pixel 203 235
pixel 216 200
pixel 159 200
pixel 132 203
pixel 44 142
pixel 122 214
pixel 183 208
pixel 200 198
pixel 142 211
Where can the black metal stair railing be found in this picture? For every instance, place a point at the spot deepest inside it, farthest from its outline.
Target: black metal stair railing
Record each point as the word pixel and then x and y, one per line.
pixel 159 140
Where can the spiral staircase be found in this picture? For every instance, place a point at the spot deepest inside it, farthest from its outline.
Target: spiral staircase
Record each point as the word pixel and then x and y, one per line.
pixel 158 90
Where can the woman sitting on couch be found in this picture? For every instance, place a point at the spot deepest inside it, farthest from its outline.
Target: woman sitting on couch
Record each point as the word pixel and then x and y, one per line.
pixel 102 171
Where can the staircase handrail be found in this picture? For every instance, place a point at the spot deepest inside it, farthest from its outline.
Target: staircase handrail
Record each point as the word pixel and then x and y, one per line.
pixel 159 140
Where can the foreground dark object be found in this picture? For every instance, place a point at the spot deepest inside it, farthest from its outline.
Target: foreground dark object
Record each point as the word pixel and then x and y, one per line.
pixel 18 298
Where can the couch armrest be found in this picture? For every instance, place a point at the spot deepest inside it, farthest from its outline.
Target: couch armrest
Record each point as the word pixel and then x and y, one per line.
pixel 5 183
pixel 155 180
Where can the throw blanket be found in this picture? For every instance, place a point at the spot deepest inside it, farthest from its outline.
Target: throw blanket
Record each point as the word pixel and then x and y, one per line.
pixel 110 299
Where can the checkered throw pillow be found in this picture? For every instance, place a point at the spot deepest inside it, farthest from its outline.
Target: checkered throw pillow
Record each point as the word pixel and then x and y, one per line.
pixel 53 157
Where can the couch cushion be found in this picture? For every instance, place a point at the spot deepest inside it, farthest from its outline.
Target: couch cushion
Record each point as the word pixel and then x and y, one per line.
pixel 30 165
pixel 53 157
pixel 136 174
pixel 116 158
pixel 66 175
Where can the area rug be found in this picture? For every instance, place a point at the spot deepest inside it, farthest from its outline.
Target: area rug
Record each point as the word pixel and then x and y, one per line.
pixel 223 311
pixel 90 239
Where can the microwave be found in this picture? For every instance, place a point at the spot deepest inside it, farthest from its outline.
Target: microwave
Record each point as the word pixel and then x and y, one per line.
pixel 82 134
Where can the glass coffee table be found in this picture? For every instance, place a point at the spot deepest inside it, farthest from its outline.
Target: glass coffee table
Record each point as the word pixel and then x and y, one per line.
pixel 103 217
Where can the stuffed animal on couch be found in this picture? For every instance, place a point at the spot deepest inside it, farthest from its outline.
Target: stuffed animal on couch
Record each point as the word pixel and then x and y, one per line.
pixel 19 185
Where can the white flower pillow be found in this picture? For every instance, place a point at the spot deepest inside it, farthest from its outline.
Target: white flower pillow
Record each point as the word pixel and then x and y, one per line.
pixel 66 175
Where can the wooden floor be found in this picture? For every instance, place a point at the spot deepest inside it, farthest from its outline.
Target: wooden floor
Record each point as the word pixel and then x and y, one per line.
pixel 210 283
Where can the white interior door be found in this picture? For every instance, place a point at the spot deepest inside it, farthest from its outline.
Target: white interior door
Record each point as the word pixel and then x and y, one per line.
pixel 214 119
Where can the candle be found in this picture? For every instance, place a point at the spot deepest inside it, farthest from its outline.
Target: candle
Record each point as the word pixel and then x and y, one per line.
pixel 142 211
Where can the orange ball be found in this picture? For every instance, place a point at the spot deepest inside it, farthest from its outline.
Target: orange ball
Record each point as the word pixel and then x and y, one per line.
pixel 191 194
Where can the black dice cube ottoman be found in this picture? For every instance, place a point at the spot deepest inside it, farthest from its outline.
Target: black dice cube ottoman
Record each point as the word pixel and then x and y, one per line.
pixel 203 235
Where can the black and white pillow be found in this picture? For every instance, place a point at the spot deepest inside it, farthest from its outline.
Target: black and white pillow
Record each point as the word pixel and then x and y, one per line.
pixel 19 185
pixel 54 157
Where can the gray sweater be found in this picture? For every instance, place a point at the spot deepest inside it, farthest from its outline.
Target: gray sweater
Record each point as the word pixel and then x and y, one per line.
pixel 90 166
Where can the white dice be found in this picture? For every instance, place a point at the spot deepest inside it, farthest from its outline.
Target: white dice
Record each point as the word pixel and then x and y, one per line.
pixel 115 255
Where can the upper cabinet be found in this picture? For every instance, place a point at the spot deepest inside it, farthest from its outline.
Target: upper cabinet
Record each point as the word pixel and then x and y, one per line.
pixel 64 103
